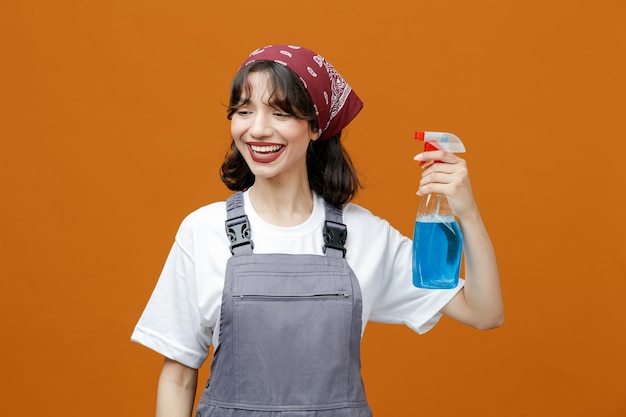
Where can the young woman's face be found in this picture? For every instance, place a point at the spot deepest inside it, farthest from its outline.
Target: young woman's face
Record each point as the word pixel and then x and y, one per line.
pixel 272 142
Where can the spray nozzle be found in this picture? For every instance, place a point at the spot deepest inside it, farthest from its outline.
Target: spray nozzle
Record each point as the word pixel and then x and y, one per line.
pixel 440 140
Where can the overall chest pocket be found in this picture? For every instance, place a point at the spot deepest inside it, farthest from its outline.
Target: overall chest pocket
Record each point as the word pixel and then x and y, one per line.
pixel 292 342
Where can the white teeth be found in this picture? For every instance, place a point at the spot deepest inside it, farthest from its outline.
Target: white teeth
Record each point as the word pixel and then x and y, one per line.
pixel 265 149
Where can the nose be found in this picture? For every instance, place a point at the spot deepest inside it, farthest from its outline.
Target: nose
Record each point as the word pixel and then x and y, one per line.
pixel 260 125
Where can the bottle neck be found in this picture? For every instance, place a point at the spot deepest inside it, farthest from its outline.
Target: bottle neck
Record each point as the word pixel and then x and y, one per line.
pixel 434 207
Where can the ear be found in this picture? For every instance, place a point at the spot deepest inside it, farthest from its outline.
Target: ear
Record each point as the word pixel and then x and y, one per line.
pixel 315 136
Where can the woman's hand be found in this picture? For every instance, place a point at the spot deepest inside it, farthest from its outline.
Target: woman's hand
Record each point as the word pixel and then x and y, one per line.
pixel 445 173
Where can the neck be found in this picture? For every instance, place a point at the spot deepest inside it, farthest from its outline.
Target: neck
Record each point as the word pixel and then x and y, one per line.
pixel 280 205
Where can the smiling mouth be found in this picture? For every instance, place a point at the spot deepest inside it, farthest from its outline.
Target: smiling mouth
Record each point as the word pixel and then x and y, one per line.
pixel 265 153
pixel 265 150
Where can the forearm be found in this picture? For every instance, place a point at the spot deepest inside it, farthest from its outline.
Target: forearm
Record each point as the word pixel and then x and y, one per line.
pixel 482 292
pixel 177 390
pixel 479 303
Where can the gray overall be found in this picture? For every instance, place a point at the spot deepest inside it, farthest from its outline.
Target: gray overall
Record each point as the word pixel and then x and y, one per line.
pixel 290 331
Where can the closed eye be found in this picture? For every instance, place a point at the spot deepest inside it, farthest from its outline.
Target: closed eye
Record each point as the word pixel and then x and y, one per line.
pixel 281 114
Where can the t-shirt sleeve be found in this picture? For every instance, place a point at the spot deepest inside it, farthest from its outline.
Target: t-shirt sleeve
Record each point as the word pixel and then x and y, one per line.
pixel 397 300
pixel 171 322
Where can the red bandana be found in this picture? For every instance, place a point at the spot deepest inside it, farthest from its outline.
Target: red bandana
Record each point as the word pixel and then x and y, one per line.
pixel 335 102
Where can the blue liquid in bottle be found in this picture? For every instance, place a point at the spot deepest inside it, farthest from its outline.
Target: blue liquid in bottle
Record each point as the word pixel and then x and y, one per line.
pixel 437 251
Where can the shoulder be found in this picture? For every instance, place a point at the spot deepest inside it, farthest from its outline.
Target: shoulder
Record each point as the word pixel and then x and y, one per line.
pixel 365 226
pixel 361 218
pixel 209 214
pixel 206 222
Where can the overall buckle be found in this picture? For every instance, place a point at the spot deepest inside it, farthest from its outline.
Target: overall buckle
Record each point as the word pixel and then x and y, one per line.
pixel 238 231
pixel 335 235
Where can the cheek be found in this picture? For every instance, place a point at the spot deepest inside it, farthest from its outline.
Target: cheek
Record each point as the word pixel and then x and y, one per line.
pixel 235 130
pixel 240 146
pixel 237 133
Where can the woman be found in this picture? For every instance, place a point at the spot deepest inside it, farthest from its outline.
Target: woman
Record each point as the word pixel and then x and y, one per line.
pixel 282 278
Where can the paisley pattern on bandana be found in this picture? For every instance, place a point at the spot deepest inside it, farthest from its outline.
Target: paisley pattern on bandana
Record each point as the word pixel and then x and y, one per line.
pixel 336 104
pixel 340 91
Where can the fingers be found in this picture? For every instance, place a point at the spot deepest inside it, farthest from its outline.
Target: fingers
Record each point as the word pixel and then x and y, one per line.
pixel 438 155
pixel 441 184
pixel 441 162
pixel 443 173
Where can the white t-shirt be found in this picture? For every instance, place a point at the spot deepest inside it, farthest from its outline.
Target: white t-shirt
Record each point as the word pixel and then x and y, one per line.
pixel 181 318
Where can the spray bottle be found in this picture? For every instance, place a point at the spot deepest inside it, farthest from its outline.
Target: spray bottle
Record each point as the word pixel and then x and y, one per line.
pixel 437 239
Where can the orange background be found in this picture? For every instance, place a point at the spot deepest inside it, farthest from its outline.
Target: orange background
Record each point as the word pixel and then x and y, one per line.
pixel 112 127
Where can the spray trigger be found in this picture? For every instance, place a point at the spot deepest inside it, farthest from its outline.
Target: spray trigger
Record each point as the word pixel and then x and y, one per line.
pixel 440 140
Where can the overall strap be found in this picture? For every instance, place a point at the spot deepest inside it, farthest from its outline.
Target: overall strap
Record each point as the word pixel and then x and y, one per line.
pixel 239 233
pixel 335 232
pixel 238 226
